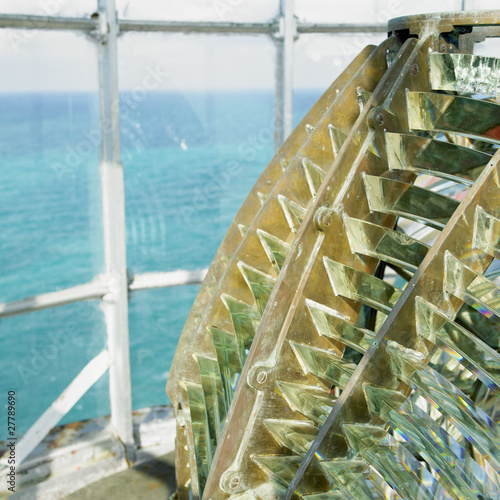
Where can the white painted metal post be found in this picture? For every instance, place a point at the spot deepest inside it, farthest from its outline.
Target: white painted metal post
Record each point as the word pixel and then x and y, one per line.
pixel 284 71
pixel 115 302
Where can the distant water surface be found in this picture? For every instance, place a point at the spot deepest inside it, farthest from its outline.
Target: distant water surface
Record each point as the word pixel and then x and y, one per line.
pixel 189 161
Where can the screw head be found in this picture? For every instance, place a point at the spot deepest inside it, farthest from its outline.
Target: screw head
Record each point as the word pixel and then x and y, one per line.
pixel 380 119
pixel 414 70
pixel 442 48
pixel 261 377
pixel 327 220
pixel 234 482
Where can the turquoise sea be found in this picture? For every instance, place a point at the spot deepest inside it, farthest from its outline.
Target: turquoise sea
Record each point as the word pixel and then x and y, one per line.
pixel 189 161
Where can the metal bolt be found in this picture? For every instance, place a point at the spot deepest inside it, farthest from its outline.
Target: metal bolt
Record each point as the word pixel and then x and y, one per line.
pixel 414 70
pixel 261 377
pixel 442 48
pixel 322 218
pixel 234 482
pixel 380 119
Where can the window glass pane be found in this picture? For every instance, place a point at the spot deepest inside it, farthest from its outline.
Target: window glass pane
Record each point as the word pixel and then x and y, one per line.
pixel 43 352
pixel 319 60
pixel 73 8
pixel 303 101
pixel 197 119
pixel 50 208
pixel 199 10
pixel 367 11
pixel 480 4
pixel 156 319
pixel 489 48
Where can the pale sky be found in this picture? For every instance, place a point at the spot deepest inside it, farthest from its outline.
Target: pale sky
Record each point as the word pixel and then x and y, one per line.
pixel 53 61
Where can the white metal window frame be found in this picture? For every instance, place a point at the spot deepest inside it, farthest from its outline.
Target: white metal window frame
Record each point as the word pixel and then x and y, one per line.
pixel 113 286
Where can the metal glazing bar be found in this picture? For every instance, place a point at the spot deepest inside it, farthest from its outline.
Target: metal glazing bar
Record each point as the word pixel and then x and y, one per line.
pixel 197 27
pixel 92 372
pixel 242 28
pixel 284 71
pixel 47 22
pixel 115 302
pixel 147 281
pixel 89 24
pixel 341 28
pixel 96 289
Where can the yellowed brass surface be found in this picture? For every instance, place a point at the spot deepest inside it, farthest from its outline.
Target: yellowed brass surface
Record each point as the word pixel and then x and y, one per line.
pixel 253 261
pixel 345 343
pixel 251 205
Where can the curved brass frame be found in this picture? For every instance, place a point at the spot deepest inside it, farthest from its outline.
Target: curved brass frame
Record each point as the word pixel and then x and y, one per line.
pixel 303 357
